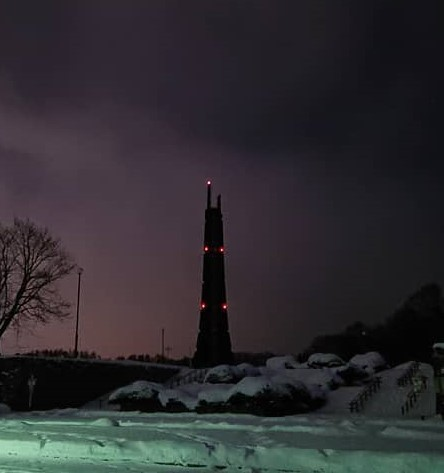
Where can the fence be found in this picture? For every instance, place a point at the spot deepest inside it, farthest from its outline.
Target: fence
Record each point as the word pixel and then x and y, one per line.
pixel 357 404
pixel 407 376
pixel 419 386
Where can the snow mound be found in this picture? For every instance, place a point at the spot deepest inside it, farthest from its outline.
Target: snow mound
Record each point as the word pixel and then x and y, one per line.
pixel 106 422
pixel 214 393
pixel 223 374
pixel 371 362
pixel 252 386
pixel 137 390
pixel 438 348
pixel 282 362
pixel 245 369
pixel 351 374
pixel 264 395
pixel 324 360
pixel 178 399
pixel 4 409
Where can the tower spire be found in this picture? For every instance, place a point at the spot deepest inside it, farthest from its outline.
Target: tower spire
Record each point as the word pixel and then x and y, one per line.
pixel 208 194
pixel 213 341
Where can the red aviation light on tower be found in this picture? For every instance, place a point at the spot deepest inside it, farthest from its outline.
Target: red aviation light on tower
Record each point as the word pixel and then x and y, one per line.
pixel 208 183
pixel 203 305
pixel 224 306
pixel 206 248
pixel 221 249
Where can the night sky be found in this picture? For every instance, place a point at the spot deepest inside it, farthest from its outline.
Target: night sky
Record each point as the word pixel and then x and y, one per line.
pixel 317 121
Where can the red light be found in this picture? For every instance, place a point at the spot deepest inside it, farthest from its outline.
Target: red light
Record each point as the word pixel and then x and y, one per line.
pixel 221 249
pixel 208 183
pixel 203 305
pixel 205 248
pixel 224 306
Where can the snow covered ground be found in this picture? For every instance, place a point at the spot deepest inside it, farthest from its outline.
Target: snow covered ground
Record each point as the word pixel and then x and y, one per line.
pixel 69 441
pixel 376 439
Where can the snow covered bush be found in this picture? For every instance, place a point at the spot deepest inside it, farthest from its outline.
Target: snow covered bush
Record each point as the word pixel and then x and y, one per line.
pixel 280 362
pixel 370 362
pixel 213 398
pixel 4 409
pixel 138 396
pixel 324 378
pixel 269 396
pixel 352 374
pixel 177 400
pixel 324 360
pixel 245 369
pixel 223 374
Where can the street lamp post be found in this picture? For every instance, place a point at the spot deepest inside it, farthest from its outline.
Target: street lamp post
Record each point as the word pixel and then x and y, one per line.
pixel 76 341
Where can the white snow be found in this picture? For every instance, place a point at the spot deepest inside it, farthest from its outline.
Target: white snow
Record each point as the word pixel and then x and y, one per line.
pixel 254 385
pixel 280 362
pixel 377 439
pixel 70 441
pixel 371 362
pixel 215 393
pixel 181 395
pixel 137 390
pixel 245 369
pixel 318 360
pixel 222 374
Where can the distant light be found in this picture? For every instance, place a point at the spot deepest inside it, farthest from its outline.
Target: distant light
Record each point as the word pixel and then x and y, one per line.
pixel 205 248
pixel 203 305
pixel 224 306
pixel 208 183
pixel 221 249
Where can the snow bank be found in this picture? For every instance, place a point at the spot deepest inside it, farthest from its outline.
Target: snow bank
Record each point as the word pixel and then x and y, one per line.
pixel 245 369
pixel 223 374
pixel 324 360
pixel 282 362
pixel 178 399
pixel 179 443
pixel 137 390
pixel 253 385
pixel 371 362
pixel 4 409
pixel 215 393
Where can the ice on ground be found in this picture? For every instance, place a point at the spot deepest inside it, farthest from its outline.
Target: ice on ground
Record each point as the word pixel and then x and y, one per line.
pixel 83 440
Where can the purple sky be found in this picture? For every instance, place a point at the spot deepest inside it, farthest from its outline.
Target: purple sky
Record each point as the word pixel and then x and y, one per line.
pixel 317 121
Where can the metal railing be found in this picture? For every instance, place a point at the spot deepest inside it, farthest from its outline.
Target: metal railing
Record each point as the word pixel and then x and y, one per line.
pixel 357 404
pixel 407 376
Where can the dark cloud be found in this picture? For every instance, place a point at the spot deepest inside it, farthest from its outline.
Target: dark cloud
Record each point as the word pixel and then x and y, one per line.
pixel 317 120
pixel 265 76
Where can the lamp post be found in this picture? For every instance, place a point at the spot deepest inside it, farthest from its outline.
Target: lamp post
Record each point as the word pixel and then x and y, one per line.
pixel 76 341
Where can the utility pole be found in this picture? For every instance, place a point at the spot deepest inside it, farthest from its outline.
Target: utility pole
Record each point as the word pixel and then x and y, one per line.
pixel 76 341
pixel 163 344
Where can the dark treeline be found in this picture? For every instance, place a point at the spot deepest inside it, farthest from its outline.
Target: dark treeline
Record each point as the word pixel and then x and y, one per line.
pixel 156 359
pixel 92 355
pixel 408 334
pixel 62 353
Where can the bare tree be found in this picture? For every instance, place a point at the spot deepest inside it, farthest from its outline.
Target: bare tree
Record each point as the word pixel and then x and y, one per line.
pixel 31 263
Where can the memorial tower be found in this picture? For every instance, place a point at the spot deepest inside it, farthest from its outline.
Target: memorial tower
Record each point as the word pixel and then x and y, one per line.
pixel 213 341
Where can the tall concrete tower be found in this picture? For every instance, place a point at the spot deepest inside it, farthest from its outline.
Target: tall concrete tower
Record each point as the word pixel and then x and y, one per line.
pixel 213 342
